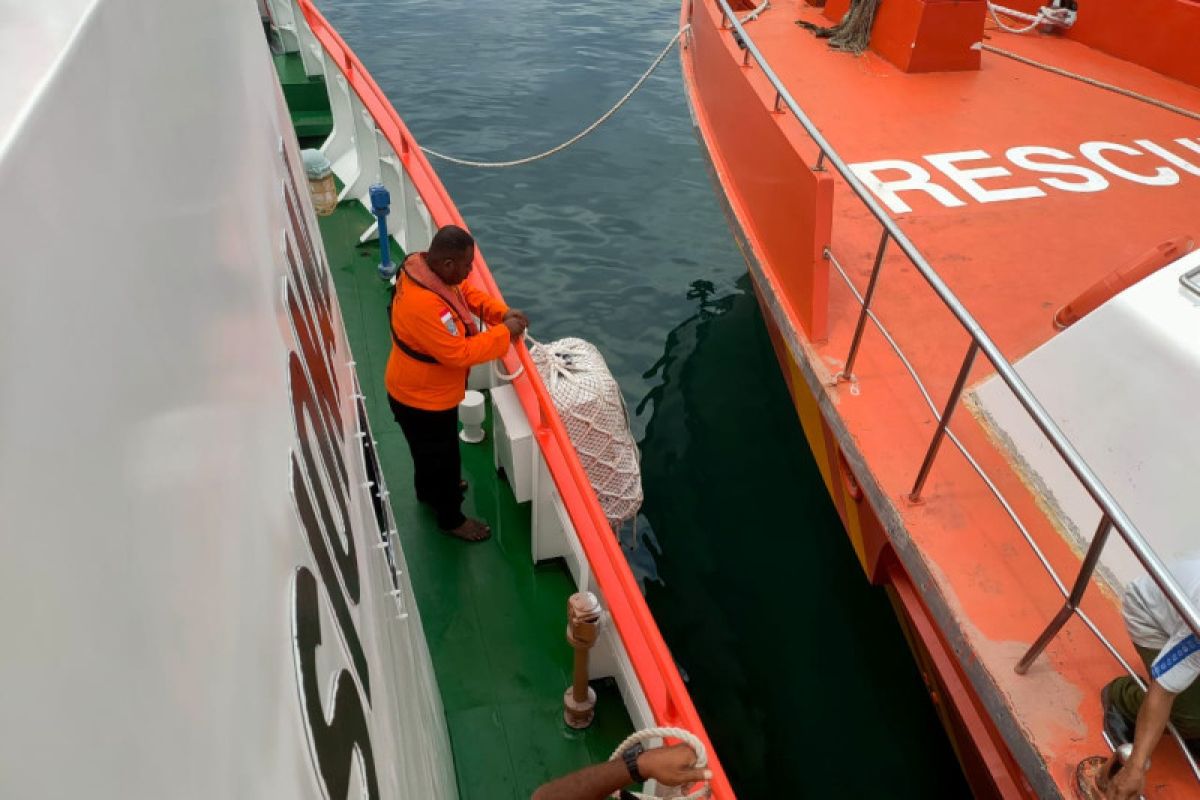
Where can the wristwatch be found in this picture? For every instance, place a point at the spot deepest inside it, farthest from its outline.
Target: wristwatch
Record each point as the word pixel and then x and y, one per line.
pixel 630 757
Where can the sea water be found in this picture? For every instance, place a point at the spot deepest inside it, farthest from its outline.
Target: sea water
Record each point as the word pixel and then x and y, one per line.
pixel 796 664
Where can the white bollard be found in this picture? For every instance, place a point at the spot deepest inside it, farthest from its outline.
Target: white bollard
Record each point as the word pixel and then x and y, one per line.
pixel 471 412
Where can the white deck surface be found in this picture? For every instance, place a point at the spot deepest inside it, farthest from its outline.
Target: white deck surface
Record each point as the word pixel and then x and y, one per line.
pixel 1124 385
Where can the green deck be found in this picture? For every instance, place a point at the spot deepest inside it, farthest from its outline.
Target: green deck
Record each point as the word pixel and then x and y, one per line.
pixel 306 98
pixel 495 622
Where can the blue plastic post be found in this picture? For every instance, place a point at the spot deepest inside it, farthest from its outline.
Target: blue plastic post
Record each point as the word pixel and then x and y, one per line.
pixel 381 201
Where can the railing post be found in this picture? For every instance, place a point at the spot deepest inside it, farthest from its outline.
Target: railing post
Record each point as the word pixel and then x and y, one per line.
pixel 778 100
pixel 583 626
pixel 1081 583
pixel 944 422
pixel 820 167
pixel 848 369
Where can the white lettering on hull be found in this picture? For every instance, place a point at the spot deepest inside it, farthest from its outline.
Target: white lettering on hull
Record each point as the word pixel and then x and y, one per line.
pixel 891 180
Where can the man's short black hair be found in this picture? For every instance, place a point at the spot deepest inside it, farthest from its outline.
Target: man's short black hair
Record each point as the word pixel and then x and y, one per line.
pixel 450 241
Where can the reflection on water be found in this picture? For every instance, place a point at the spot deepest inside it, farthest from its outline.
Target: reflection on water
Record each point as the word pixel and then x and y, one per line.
pixel 796 665
pixel 800 672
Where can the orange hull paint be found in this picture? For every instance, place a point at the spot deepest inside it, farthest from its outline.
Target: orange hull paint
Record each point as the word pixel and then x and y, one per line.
pixel 989 767
pixel 969 591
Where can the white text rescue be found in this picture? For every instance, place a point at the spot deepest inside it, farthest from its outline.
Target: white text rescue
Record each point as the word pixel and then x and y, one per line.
pixel 977 175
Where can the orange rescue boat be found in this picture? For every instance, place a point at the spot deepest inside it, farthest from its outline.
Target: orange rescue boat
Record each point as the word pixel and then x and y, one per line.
pixel 975 247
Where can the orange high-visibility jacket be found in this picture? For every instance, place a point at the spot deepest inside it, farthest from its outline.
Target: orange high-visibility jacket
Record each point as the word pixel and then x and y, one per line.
pixel 424 322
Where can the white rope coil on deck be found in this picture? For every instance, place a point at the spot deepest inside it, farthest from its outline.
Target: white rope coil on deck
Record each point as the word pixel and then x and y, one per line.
pixel 687 737
pixel 593 411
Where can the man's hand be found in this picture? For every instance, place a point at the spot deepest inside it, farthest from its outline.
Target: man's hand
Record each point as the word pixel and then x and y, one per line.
pixel 515 327
pixel 1151 722
pixel 1127 785
pixel 516 322
pixel 671 766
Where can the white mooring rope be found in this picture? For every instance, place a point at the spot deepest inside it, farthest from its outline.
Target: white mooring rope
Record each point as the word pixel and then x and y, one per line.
pixel 687 737
pixel 463 162
pixel 995 10
pixel 516 162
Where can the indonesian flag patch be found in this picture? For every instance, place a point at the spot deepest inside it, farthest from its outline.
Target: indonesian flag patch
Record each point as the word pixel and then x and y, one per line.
pixel 448 320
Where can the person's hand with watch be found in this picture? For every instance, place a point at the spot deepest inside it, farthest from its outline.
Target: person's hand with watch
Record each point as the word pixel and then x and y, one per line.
pixel 670 766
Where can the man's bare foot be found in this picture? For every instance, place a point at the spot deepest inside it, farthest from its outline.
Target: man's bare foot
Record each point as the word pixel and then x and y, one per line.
pixel 472 530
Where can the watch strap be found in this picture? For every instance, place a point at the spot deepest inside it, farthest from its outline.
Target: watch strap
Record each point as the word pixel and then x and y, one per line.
pixel 630 757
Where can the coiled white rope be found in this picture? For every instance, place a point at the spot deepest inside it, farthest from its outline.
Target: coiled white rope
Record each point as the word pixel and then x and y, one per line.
pixel 1094 82
pixel 758 9
pixel 500 375
pixel 503 377
pixel 995 10
pixel 687 737
pixel 463 162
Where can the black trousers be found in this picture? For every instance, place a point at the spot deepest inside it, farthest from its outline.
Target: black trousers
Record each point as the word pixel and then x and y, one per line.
pixel 437 466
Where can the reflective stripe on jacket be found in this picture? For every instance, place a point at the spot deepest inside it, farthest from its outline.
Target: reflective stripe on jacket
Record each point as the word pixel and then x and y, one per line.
pixel 423 321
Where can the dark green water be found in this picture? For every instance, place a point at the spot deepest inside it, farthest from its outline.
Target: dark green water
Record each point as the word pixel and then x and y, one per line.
pixel 796 664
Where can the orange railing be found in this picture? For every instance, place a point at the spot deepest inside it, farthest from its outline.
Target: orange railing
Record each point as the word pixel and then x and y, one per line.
pixel 652 662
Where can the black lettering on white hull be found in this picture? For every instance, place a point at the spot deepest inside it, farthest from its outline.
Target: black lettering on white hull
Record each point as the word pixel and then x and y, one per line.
pixel 321 489
pixel 329 579
pixel 341 740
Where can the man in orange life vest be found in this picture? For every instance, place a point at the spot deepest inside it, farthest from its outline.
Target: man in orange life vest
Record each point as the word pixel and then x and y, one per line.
pixel 435 342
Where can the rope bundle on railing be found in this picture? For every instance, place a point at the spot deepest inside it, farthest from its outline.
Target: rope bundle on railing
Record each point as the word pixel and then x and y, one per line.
pixel 590 404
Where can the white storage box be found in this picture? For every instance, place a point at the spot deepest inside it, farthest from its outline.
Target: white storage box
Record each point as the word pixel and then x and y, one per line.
pixel 514 441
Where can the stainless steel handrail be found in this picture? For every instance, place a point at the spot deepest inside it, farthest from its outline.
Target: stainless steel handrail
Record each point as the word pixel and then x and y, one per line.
pixel 1011 512
pixel 1111 510
pixel 1191 280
